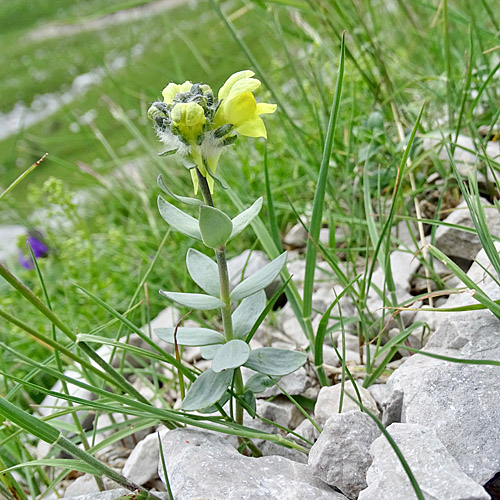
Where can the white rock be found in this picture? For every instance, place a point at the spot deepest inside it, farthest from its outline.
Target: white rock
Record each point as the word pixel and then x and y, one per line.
pixel 455 399
pixel 86 485
pixel 142 464
pixel 329 399
pixel 379 393
pixel 340 457
pixel 297 383
pixel 453 242
pixel 205 465
pixel 465 156
pixel 296 237
pixel 403 266
pixel 436 471
pixel 307 430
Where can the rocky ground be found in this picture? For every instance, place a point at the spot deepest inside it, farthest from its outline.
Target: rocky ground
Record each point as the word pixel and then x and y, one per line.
pixel 443 416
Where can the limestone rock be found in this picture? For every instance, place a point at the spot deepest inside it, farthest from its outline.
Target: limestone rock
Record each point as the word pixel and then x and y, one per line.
pixel 403 266
pixel 142 464
pixel 296 237
pixel 205 465
pixel 270 449
pixel 436 471
pixel 464 156
pixel 340 456
pixel 301 382
pixel 307 430
pixel 462 244
pixel 86 485
pixel 280 411
pixel 101 495
pixel 329 399
pixel 456 400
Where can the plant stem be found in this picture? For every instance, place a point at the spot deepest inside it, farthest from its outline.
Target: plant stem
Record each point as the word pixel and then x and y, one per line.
pixel 220 254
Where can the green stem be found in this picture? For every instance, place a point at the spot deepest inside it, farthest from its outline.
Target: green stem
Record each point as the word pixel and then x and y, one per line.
pixel 224 292
pixel 220 254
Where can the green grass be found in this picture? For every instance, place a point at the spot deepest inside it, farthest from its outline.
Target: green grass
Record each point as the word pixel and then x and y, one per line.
pixel 398 57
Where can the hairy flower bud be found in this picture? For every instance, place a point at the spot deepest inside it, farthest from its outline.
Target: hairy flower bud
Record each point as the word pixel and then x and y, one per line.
pixel 189 119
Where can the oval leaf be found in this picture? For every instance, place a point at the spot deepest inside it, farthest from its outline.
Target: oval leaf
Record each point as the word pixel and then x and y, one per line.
pixel 194 300
pixel 182 199
pixel 231 355
pixel 247 313
pixel 215 226
pixel 275 362
pixel 179 220
pixel 204 272
pixel 190 336
pixel 209 351
pixel 260 279
pixel 207 389
pixel 259 382
pixel 242 220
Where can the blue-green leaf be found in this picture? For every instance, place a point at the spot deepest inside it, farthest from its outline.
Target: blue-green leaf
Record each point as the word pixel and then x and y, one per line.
pixel 275 362
pixel 260 279
pixel 191 336
pixel 207 389
pixel 179 220
pixel 247 313
pixel 251 404
pixel 182 199
pixel 194 300
pixel 204 271
pixel 209 351
pixel 242 220
pixel 231 355
pixel 259 382
pixel 215 226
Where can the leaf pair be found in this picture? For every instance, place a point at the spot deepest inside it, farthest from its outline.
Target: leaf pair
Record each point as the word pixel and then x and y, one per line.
pixel 214 225
pixel 204 272
pixel 211 385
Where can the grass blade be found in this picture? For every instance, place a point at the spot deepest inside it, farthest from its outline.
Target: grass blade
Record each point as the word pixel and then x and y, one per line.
pixel 319 196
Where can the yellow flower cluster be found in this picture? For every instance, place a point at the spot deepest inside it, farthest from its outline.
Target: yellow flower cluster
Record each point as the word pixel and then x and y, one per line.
pixel 237 107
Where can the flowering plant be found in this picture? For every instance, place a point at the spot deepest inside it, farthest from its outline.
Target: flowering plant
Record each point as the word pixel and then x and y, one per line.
pixel 197 126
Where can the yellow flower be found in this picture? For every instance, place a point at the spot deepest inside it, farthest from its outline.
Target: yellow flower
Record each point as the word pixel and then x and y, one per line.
pixel 211 162
pixel 239 107
pixel 172 89
pixel 189 118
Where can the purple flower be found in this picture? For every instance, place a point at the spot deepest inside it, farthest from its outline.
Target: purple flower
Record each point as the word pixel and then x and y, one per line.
pixel 39 249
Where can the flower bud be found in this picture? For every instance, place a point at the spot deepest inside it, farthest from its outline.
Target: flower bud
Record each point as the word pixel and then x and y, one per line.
pixel 189 119
pixel 172 89
pixel 157 110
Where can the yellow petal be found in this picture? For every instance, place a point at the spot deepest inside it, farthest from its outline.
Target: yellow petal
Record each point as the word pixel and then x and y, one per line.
pixel 213 161
pixel 226 88
pixel 194 178
pixel 210 183
pixel 239 109
pixel 244 85
pixel 172 89
pixel 189 118
pixel 264 108
pixel 190 114
pixel 253 128
pixel 198 160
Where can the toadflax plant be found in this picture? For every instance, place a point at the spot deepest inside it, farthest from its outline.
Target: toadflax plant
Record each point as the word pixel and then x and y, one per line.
pixel 197 126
